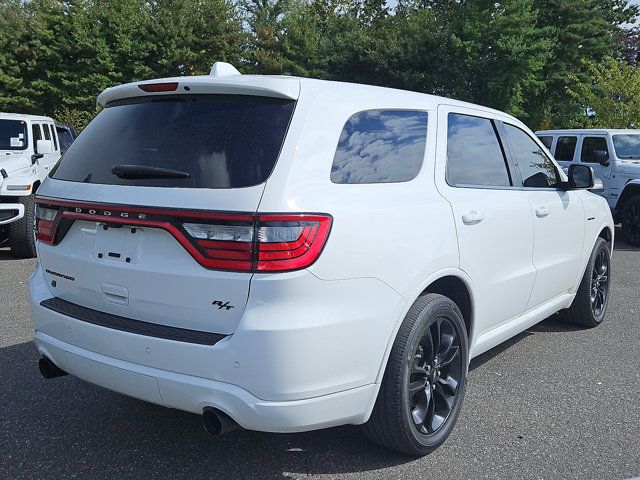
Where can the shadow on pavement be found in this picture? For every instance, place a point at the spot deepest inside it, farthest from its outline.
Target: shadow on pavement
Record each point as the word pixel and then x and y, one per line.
pixel 59 427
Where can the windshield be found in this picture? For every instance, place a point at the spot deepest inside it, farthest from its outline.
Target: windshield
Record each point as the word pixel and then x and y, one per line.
pixel 13 135
pixel 627 146
pixel 217 141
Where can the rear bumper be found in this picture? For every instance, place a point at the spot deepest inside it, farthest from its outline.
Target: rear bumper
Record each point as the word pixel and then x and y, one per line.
pixel 193 394
pixel 10 212
pixel 306 355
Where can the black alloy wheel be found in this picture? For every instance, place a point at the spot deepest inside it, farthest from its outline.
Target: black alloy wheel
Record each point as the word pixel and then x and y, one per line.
pixel 435 376
pixel 600 284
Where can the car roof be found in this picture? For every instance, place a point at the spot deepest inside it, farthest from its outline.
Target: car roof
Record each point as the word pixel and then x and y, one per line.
pixel 22 116
pixel 279 86
pixel 577 131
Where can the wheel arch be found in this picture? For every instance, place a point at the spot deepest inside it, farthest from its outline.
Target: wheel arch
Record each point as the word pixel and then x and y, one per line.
pixel 631 189
pixel 452 283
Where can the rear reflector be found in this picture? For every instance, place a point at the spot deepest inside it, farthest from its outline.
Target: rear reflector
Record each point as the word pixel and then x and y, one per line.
pixel 159 87
pixel 220 241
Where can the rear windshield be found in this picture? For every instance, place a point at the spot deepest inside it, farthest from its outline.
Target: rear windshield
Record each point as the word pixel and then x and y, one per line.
pixel 13 135
pixel 215 141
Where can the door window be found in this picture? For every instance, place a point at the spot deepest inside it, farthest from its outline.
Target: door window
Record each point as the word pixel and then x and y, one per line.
pixel 591 144
pixel 474 154
pixel 537 170
pixel 37 135
pixel 546 141
pixel 53 136
pixel 566 148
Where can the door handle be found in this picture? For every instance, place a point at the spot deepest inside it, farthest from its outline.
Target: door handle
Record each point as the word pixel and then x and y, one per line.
pixel 542 212
pixel 472 218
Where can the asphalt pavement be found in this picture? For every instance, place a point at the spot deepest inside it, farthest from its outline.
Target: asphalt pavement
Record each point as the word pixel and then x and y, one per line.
pixel 554 402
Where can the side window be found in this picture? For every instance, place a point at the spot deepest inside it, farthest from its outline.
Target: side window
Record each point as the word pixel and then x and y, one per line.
pixel 536 168
pixel 380 146
pixel 53 136
pixel 566 148
pixel 47 132
pixel 474 154
pixel 37 135
pixel 546 140
pixel 589 145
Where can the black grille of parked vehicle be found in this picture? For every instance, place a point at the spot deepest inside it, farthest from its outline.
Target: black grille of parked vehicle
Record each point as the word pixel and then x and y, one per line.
pixel 124 324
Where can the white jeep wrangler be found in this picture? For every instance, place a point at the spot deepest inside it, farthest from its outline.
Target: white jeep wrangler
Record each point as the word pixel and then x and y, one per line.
pixel 29 149
pixel 615 157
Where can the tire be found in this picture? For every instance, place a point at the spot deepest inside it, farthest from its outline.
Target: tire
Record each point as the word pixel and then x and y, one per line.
pixel 630 220
pixel 437 387
pixel 589 307
pixel 22 238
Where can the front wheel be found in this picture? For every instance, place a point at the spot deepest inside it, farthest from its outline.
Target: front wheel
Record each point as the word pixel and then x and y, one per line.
pixel 424 383
pixel 590 303
pixel 22 235
pixel 631 221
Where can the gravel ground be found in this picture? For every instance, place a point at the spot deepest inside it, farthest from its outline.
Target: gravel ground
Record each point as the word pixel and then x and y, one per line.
pixel 554 402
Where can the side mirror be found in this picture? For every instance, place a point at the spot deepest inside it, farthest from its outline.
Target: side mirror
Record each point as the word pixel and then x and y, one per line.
pixel 44 147
pixel 35 157
pixel 581 176
pixel 601 157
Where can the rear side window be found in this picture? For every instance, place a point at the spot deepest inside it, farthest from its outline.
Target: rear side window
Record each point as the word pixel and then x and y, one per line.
pixel 546 141
pixel 380 146
pixel 537 170
pixel 589 144
pixel 214 141
pixel 565 148
pixel 474 154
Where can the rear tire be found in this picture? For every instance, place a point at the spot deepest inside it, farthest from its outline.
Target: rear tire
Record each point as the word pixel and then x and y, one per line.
pixel 424 383
pixel 631 221
pixel 22 238
pixel 589 307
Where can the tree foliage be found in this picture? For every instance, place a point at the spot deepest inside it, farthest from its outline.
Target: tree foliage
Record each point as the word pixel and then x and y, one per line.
pixel 514 55
pixel 611 95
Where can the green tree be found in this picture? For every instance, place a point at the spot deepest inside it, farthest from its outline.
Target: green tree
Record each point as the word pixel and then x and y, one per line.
pixel 580 30
pixel 610 98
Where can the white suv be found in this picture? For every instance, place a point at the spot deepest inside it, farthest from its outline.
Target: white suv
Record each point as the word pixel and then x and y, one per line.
pixel 287 254
pixel 29 149
pixel 615 158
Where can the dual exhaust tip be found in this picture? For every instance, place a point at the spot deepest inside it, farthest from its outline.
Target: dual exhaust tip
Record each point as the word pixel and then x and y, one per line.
pixel 48 369
pixel 214 421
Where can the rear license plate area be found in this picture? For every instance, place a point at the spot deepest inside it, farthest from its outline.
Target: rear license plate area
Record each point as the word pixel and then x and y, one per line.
pixel 118 244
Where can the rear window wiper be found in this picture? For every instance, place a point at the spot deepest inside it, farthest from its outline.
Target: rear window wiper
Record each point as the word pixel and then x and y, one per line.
pixel 146 171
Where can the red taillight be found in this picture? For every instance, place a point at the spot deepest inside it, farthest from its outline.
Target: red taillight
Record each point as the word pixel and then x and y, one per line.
pixel 221 241
pixel 159 87
pixel 46 223
pixel 290 242
pixel 271 243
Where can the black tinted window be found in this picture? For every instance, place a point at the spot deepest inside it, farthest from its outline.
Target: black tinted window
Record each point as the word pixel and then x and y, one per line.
pixel 589 144
pixel 66 138
pixel 536 168
pixel 220 141
pixel 546 141
pixel 474 155
pixel 380 146
pixel 13 135
pixel 565 148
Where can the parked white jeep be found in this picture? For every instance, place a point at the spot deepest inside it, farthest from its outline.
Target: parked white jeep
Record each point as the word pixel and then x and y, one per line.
pixel 615 158
pixel 29 148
